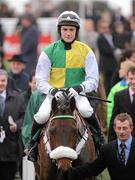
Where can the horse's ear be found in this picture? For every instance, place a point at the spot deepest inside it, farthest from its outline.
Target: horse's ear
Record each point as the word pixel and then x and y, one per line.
pixel 54 105
pixel 72 104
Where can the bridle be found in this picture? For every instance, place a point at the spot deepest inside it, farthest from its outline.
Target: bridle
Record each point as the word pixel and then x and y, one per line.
pixel 66 116
pixel 59 117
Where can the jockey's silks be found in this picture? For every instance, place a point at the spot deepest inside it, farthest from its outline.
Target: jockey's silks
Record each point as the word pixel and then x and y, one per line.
pixel 67 66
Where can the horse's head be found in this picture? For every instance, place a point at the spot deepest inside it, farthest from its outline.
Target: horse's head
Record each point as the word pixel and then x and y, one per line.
pixel 62 132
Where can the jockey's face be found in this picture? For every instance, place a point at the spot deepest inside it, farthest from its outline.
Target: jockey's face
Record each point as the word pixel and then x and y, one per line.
pixel 68 33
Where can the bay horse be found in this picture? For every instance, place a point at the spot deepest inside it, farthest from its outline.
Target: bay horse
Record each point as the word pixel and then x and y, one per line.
pixel 66 141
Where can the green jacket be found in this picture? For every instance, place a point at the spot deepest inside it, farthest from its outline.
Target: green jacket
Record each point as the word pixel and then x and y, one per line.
pixel 34 103
pixel 117 87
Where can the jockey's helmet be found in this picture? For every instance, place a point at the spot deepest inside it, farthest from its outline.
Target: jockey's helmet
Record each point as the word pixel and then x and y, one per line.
pixel 68 18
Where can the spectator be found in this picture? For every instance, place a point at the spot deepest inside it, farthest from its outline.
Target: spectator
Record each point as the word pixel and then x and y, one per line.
pixel 118 17
pixel 11 83
pixel 127 54
pixel 132 58
pixel 11 119
pixel 33 105
pixel 90 35
pixel 124 66
pixel 120 36
pixel 27 8
pixel 132 33
pixel 17 73
pixel 5 12
pixel 120 168
pixel 107 61
pixel 1 39
pixel 31 87
pixel 124 103
pixel 29 42
pixel 26 96
pixel 47 10
pixel 1 60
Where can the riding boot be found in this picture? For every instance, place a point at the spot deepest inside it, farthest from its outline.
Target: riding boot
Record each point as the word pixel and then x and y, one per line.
pixel 98 135
pixel 32 147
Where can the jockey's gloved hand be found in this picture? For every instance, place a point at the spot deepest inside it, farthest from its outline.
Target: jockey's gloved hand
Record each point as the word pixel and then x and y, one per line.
pixel 74 91
pixel 58 94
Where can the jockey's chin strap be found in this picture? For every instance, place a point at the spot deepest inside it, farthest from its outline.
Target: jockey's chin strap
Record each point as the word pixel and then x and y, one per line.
pixel 81 143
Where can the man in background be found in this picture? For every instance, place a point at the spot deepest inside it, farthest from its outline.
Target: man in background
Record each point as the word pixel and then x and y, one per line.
pixel 17 73
pixel 117 156
pixel 11 119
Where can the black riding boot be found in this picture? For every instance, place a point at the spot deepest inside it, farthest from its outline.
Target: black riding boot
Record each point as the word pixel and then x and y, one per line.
pixel 96 130
pixel 32 147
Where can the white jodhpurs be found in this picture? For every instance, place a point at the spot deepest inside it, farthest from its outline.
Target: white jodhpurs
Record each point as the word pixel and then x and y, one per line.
pixel 44 111
pixel 83 106
pixel 43 114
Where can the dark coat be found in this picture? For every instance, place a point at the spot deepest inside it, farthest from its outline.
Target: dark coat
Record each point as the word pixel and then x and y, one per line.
pixel 108 159
pixel 29 44
pixel 1 36
pixel 12 85
pixel 20 80
pixel 107 61
pixel 122 104
pixel 14 106
pixel 121 40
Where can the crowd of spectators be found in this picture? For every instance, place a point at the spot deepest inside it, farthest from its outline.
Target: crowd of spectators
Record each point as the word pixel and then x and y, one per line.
pixel 111 37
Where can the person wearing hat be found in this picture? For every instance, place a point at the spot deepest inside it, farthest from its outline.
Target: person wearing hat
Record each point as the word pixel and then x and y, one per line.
pixel 66 63
pixel 29 41
pixel 17 73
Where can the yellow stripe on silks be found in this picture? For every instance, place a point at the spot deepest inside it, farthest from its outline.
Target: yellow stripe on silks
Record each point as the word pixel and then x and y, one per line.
pixel 75 57
pixel 57 77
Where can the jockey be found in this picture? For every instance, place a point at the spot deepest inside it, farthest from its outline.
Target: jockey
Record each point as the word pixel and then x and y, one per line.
pixel 66 63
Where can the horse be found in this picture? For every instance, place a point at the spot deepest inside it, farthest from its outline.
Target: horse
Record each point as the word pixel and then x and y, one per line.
pixel 66 141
